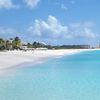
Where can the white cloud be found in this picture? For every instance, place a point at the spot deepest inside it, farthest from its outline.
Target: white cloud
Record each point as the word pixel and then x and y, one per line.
pixel 51 28
pixel 7 4
pixel 89 34
pixel 64 7
pixel 32 3
pixel 82 30
pixel 8 32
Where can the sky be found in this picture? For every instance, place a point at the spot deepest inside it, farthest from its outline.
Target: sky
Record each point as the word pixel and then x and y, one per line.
pixel 51 21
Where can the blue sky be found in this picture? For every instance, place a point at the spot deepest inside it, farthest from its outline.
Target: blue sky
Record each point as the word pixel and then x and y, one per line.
pixel 51 21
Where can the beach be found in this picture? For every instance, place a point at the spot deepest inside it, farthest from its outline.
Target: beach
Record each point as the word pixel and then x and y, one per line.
pixel 9 59
pixel 63 74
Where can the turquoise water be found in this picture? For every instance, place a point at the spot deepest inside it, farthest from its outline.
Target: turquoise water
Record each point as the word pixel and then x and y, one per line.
pixel 75 77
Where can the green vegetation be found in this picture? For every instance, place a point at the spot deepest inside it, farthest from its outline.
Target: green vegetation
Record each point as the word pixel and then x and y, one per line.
pixel 38 45
pixel 10 44
pixel 72 47
pixel 2 44
pixel 16 43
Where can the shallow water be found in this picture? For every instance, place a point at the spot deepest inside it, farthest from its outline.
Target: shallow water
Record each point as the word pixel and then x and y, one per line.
pixel 75 77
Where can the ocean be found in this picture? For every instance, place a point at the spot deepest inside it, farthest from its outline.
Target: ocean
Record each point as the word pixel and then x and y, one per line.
pixel 73 77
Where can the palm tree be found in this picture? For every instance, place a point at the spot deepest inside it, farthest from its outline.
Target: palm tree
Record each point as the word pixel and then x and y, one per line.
pixel 29 45
pixel 8 45
pixel 2 44
pixel 16 43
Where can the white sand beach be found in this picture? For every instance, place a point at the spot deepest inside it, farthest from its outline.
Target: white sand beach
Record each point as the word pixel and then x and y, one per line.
pixel 13 58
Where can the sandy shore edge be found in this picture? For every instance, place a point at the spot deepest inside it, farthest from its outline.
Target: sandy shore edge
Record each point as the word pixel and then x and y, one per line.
pixel 10 59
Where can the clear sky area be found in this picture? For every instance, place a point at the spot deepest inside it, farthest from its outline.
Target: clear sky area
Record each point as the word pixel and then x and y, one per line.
pixel 51 21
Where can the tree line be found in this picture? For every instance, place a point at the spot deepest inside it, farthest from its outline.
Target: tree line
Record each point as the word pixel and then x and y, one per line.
pixel 10 44
pixel 16 43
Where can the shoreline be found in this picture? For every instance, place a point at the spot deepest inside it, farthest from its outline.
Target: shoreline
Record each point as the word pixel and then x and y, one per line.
pixel 12 59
